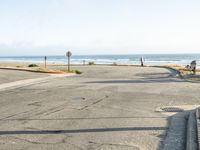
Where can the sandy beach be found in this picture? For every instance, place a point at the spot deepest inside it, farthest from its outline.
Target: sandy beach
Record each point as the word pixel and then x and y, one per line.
pixel 106 107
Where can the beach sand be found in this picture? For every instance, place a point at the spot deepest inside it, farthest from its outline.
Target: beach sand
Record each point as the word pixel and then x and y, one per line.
pixel 17 64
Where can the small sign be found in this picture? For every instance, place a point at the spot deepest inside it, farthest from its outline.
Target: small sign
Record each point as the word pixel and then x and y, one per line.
pixel 69 54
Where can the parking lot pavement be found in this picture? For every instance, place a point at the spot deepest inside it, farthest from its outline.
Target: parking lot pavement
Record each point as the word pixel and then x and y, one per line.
pixel 7 76
pixel 104 108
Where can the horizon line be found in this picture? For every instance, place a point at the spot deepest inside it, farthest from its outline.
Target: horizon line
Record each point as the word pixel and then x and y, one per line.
pixel 101 54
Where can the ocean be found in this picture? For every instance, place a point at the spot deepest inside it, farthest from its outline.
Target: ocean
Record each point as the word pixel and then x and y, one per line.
pixel 150 59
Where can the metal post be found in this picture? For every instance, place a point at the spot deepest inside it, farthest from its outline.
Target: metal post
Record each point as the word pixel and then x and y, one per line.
pixel 45 59
pixel 68 63
pixel 68 54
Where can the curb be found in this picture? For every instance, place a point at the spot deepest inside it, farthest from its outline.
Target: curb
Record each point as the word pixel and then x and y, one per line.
pixel 177 71
pixel 198 126
pixel 28 70
pixel 184 131
pixel 191 142
pixel 176 135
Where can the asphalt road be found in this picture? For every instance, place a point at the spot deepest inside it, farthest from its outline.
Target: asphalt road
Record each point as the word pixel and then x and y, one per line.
pixel 7 76
pixel 104 108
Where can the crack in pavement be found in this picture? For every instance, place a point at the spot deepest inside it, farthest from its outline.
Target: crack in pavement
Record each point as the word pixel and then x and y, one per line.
pixel 47 143
pixel 112 144
pixel 98 101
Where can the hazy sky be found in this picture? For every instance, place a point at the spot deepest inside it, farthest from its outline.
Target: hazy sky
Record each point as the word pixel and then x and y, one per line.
pixel 50 27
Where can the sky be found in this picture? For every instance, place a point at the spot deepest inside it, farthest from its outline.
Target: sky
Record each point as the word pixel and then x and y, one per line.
pixel 52 27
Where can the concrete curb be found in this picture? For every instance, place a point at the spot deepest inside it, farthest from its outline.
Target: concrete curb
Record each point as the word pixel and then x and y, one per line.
pixel 176 135
pixel 184 131
pixel 198 125
pixel 29 70
pixel 191 142
pixel 175 70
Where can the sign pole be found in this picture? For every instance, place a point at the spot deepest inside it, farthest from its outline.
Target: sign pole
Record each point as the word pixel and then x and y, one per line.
pixel 68 54
pixel 45 63
pixel 68 64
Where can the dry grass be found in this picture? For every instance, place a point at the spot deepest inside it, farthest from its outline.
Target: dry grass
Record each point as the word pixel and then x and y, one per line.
pixel 56 70
pixel 182 69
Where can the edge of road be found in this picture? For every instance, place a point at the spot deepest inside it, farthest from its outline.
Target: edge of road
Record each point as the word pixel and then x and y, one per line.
pixel 26 82
pixel 184 131
pixel 29 70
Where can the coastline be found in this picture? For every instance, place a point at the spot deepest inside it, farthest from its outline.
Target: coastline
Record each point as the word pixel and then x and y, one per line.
pixel 149 59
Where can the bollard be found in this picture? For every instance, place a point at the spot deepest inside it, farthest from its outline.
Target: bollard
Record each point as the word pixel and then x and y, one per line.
pixel 142 61
pixel 45 61
pixel 68 54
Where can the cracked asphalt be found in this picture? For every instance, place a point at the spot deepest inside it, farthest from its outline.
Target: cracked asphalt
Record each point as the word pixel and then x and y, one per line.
pixel 106 107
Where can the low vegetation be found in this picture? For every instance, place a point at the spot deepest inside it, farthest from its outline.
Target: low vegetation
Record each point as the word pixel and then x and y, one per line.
pixel 19 66
pixel 114 64
pixel 33 65
pixel 91 63
pixel 71 71
pixel 57 70
pixel 78 72
pixel 183 70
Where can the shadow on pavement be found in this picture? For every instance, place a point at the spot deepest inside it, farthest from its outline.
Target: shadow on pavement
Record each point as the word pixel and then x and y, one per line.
pixel 91 118
pixel 145 80
pixel 81 130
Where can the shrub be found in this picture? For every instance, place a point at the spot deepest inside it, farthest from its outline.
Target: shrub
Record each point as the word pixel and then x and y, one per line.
pixel 114 64
pixel 32 65
pixel 91 63
pixel 18 66
pixel 71 71
pixel 78 72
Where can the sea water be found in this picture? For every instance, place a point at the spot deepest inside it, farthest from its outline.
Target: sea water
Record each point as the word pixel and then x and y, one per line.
pixel 150 59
